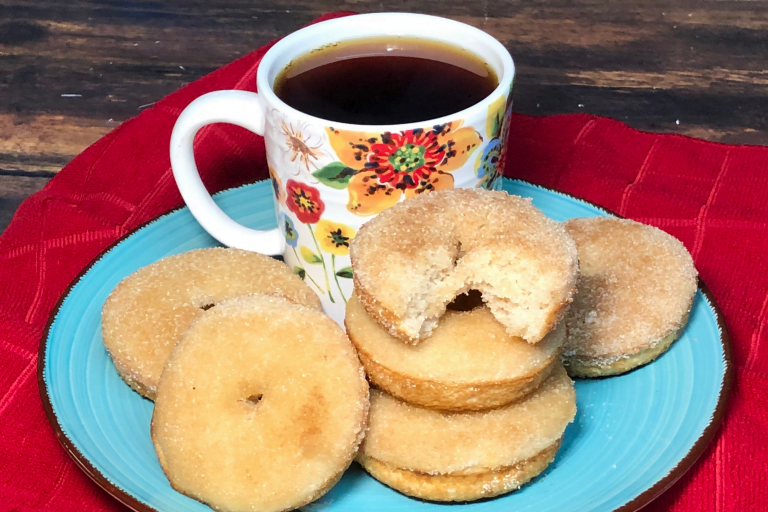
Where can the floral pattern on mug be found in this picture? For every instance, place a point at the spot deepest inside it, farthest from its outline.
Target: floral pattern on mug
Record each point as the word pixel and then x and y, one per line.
pixel 316 257
pixel 277 185
pixel 330 238
pixel 495 120
pixel 289 230
pixel 378 169
pixel 304 201
pixel 334 237
pixel 489 166
pixel 286 225
pixel 501 166
pixel 302 145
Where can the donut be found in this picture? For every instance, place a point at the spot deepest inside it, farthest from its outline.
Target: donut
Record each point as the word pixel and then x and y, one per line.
pixel 262 406
pixel 460 487
pixel 636 291
pixel 147 311
pixel 440 456
pixel 411 260
pixel 468 363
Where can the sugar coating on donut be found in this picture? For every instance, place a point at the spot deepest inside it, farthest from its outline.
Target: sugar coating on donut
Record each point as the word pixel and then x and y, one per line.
pixel 432 442
pixel 146 313
pixel 412 259
pixel 469 362
pixel 261 406
pixel 460 487
pixel 636 290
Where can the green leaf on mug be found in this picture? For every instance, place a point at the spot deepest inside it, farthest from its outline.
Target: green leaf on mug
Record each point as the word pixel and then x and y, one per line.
pixel 335 175
pixel 299 271
pixel 497 123
pixel 309 256
pixel 345 272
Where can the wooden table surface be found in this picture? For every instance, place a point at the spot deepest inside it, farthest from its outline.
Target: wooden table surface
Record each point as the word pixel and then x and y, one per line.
pixel 72 71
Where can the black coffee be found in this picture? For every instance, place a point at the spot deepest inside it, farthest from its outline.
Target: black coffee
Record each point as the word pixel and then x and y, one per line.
pixel 385 81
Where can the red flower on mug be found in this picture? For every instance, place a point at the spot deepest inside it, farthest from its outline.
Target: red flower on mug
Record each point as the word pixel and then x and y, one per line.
pixel 304 201
pixel 404 159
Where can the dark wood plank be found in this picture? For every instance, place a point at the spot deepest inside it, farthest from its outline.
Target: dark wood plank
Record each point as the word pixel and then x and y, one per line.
pixel 13 190
pixel 72 71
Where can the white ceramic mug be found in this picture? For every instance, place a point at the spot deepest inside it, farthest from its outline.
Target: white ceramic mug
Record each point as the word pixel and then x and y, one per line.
pixel 323 191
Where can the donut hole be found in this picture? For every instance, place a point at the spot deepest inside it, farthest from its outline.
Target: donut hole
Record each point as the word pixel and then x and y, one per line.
pixel 204 301
pixel 250 405
pixel 254 399
pixel 515 289
pixel 468 301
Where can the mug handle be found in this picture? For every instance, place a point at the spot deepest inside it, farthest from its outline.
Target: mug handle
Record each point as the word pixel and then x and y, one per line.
pixel 241 108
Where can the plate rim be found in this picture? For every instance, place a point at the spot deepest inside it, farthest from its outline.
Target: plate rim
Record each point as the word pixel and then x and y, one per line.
pixel 641 500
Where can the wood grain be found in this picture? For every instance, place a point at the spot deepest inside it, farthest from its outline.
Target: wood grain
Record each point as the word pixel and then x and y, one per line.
pixel 70 72
pixel 14 189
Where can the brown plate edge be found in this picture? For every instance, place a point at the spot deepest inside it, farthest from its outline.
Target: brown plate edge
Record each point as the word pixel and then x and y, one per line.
pixel 81 460
pixel 701 444
pixel 633 505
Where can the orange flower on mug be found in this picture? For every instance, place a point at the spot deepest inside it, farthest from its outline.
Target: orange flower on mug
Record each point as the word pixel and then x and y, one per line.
pixel 277 185
pixel 378 169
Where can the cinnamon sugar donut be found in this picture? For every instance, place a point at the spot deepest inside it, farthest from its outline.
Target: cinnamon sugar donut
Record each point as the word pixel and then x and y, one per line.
pixel 636 291
pixel 466 456
pixel 468 363
pixel 411 260
pixel 146 313
pixel 261 406
pixel 460 487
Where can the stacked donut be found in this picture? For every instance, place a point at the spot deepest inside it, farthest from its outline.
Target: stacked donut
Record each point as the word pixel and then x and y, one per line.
pixel 471 400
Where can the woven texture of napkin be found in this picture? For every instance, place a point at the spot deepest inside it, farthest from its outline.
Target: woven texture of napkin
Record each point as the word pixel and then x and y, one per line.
pixel 712 197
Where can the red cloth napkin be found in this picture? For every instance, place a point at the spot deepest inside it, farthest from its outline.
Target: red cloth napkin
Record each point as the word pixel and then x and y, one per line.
pixel 713 197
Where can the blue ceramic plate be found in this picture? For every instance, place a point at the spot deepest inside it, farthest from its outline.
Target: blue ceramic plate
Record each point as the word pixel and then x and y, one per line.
pixel 633 436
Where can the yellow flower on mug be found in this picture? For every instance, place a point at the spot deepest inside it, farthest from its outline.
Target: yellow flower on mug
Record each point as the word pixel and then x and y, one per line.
pixel 334 237
pixel 378 169
pixel 496 113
